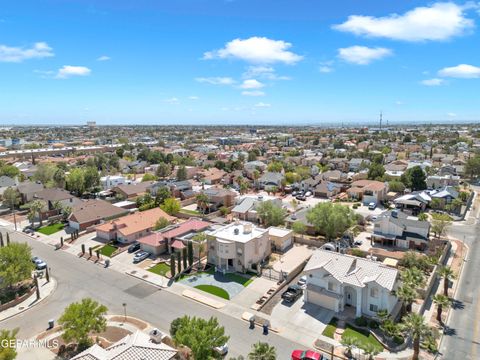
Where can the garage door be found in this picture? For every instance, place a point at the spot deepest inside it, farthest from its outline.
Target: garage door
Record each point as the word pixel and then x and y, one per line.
pixel 322 300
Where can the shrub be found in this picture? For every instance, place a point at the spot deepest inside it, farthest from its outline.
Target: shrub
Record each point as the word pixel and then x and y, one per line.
pixel 361 321
pixel 358 252
pixel 355 206
pixel 398 340
pixel 373 324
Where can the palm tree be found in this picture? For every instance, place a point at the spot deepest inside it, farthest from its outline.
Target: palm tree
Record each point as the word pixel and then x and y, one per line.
pixel 349 342
pixel 199 243
pixel 413 276
pixel 256 176
pixel 202 202
pixel 447 274
pixel 262 351
pixel 442 302
pixel 407 294
pixel 414 325
pixel 36 207
pixel 370 350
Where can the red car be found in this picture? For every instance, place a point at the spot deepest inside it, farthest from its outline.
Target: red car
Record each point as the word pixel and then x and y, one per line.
pixel 306 355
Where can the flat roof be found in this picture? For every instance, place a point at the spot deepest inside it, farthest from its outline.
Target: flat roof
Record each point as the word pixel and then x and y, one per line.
pixel 244 235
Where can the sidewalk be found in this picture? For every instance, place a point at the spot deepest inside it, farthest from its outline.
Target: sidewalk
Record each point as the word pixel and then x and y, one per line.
pixel 46 289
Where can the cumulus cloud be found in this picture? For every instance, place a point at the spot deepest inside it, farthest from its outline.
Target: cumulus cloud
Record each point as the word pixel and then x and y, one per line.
pixel 173 101
pixel 216 80
pixel 440 21
pixel 362 55
pixel 263 72
pixel 262 105
pixel 253 93
pixel 259 50
pixel 464 71
pixel 67 71
pixel 193 97
pixel 432 82
pixel 18 54
pixel 103 58
pixel 251 84
pixel 452 114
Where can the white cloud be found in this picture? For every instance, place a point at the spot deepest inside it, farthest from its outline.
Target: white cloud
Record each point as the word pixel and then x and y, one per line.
pixel 103 58
pixel 461 71
pixel 262 105
pixel 67 71
pixel 216 80
pixel 19 54
pixel 451 114
pixel 193 97
pixel 432 82
pixel 253 93
pixel 263 72
pixel 251 84
pixel 173 101
pixel 325 69
pixel 362 55
pixel 259 50
pixel 440 21
pixel 399 102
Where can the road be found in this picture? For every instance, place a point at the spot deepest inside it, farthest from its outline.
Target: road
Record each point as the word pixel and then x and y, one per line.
pixel 462 340
pixel 78 279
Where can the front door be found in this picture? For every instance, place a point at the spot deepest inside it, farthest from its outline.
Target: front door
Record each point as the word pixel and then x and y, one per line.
pixel 349 299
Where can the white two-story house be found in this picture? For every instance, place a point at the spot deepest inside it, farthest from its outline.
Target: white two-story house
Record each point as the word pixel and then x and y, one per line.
pixel 336 281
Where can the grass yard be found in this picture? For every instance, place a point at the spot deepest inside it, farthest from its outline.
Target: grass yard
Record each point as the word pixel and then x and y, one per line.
pixel 107 250
pixel 190 212
pixel 242 280
pixel 331 328
pixel 160 269
pixel 363 338
pixel 214 290
pixel 51 229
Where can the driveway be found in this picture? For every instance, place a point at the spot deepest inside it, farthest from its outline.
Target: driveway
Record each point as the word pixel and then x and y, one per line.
pixel 233 288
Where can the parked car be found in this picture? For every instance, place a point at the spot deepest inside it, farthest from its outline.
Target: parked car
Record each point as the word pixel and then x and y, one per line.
pixel 140 256
pixel 301 198
pixel 358 242
pixel 221 350
pixel 308 193
pixel 306 355
pixel 134 247
pixel 302 282
pixel 28 230
pixel 39 263
pixel 372 206
pixel 292 293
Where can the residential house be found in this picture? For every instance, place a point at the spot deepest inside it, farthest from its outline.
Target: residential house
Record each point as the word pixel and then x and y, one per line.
pixel 28 189
pixel 55 199
pixel 172 237
pixel 111 181
pixel 93 212
pixel 310 183
pixel 327 189
pixel 240 246
pixel 271 180
pixel 134 346
pixel 446 195
pixel 396 228
pixel 131 227
pixel 357 164
pixel 280 238
pixel 439 181
pixel 246 206
pixel 219 197
pixel 415 202
pixel 212 176
pixel 368 191
pixel 336 281
pixel 178 189
pixel 6 182
pixel 395 169
pixel 334 175
pixel 301 216
pixel 132 191
pixel 252 166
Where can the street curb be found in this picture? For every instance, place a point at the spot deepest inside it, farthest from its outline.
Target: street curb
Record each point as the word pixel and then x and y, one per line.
pixel 38 302
pixel 145 280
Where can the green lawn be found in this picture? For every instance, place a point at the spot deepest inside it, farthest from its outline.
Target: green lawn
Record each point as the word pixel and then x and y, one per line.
pixel 108 250
pixel 160 269
pixel 190 212
pixel 363 337
pixel 331 328
pixel 214 290
pixel 51 229
pixel 243 280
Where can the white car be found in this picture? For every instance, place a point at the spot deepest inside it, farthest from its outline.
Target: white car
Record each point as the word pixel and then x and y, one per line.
pixel 221 350
pixel 302 282
pixel 140 256
pixel 372 206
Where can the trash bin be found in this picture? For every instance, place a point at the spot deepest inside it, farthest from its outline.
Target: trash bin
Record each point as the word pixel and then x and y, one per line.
pixel 265 329
pixel 252 322
pixel 107 263
pixel 51 323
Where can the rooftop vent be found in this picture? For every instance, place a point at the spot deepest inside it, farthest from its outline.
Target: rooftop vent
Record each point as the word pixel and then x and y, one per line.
pixel 236 231
pixel 247 228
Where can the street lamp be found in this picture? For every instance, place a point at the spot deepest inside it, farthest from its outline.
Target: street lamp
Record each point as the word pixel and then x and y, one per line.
pixel 124 312
pixel 13 210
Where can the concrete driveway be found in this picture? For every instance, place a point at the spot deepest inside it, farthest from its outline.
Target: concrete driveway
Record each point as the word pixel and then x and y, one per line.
pixel 307 321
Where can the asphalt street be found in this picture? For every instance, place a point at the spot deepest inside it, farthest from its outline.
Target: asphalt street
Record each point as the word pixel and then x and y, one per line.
pixel 462 340
pixel 78 279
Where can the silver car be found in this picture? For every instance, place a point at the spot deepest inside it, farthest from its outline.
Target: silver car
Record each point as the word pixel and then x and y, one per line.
pixel 140 256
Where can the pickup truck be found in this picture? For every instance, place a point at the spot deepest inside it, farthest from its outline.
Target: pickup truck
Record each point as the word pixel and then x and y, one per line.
pixel 292 293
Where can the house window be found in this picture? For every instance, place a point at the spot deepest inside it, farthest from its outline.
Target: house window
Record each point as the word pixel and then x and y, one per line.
pixel 332 286
pixel 374 292
pixel 373 307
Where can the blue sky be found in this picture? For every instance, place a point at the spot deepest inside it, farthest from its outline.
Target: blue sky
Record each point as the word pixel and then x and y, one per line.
pixel 238 61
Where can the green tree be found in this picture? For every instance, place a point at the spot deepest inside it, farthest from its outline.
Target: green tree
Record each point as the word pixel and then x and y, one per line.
pixel 15 264
pixel 275 166
pixel 472 167
pixel 396 186
pixel 442 302
pixel 447 274
pixel 422 217
pixel 370 350
pixel 172 265
pixel 149 177
pixel 440 224
pixel 9 170
pixel 436 203
pixel 11 197
pixel 6 337
pixel 414 325
pixel 91 178
pixel 163 170
pixel 161 223
pixel 190 253
pixel 349 342
pixel 331 219
pixel 35 208
pixel 76 181
pixel 184 258
pixel 299 227
pixel 199 241
pixel 161 195
pixel 414 178
pixel 200 335
pixel 182 173
pixel 45 173
pixel 171 206
pixel 262 351
pixel 413 276
pixel 202 202
pixel 376 171
pixel 270 214
pixel 59 178
pixel 407 294
pixel 82 318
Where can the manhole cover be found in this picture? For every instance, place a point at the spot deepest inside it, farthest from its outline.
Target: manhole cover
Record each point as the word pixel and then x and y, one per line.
pixel 21 308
